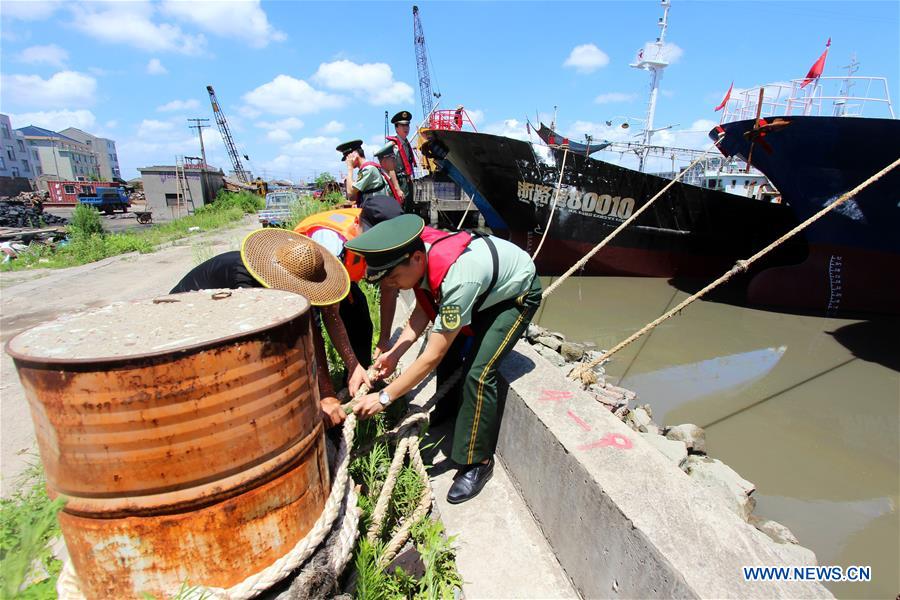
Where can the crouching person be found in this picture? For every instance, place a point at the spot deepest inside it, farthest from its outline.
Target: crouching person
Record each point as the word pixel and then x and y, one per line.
pixel 285 260
pixel 481 292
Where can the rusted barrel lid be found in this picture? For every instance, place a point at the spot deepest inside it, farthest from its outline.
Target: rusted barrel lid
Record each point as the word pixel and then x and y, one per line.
pixel 151 327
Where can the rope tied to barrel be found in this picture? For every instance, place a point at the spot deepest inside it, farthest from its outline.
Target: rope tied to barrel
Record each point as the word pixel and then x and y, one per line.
pixel 740 266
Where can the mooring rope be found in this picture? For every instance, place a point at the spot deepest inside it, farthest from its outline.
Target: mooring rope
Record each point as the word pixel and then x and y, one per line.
pixel 555 201
pixel 583 261
pixel 739 267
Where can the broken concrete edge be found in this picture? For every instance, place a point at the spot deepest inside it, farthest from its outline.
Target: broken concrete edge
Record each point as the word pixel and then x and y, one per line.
pixel 621 517
pixel 684 445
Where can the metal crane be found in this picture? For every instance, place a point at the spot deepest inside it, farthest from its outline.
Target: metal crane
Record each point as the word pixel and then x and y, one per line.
pixel 422 65
pixel 236 164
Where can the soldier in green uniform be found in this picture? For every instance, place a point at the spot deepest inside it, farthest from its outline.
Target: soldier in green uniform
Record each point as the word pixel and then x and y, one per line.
pixel 406 160
pixel 370 180
pixel 481 292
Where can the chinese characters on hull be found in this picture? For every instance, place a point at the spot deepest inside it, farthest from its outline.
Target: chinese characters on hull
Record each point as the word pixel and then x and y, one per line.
pixel 577 201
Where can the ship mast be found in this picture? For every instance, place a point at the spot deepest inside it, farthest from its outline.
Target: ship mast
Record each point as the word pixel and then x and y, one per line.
pixel 840 106
pixel 650 58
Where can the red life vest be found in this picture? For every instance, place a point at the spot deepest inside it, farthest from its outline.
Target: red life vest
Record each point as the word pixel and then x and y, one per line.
pixel 387 180
pixel 445 249
pixel 407 160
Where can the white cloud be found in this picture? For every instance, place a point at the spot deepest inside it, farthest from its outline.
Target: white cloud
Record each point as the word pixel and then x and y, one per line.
pixel 152 127
pixel 476 115
pixel 244 20
pixel 286 95
pixel 178 105
pixel 50 54
pixel 132 24
pixel 669 52
pixel 279 136
pixel 611 97
pixel 373 82
pixel 65 89
pixel 586 58
pixel 332 127
pixel 155 67
pixel 307 155
pixel 288 124
pixel 511 128
pixel 55 119
pixel 32 10
pixel 157 142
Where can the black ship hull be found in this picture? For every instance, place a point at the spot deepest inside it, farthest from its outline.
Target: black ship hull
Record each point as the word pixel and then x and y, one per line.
pixel 689 232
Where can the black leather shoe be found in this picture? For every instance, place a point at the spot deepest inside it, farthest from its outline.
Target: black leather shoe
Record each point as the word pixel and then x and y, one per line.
pixel 468 482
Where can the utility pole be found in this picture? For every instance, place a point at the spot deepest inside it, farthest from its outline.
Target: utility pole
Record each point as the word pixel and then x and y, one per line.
pixel 199 126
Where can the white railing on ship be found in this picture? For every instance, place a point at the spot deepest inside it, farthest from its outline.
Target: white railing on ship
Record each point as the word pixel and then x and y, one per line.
pixel 816 99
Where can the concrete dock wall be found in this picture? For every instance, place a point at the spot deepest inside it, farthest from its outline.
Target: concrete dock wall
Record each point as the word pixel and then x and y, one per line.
pixel 623 519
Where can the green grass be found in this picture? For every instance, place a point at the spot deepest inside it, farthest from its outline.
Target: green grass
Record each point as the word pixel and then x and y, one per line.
pixel 28 526
pixel 441 578
pixel 85 244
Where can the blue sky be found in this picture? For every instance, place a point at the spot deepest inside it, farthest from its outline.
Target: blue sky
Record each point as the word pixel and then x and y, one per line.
pixel 295 79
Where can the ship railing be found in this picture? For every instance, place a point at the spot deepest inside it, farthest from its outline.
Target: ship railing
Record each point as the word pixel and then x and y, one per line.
pixel 848 96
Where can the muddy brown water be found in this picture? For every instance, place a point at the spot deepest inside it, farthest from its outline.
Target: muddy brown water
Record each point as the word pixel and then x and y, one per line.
pixel 807 408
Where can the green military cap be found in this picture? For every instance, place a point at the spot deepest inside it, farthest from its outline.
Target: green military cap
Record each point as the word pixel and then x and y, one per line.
pixel 348 147
pixel 385 151
pixel 402 118
pixel 387 244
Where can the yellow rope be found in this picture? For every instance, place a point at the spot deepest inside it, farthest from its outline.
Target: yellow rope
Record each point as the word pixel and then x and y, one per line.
pixel 623 225
pixel 739 267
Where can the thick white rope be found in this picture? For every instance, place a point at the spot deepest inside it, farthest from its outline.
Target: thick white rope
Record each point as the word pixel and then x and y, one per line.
pixel 68 589
pixel 583 261
pixel 555 201
pixel 740 267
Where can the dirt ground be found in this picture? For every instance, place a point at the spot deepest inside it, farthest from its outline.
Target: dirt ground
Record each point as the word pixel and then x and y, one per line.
pixel 28 298
pixel 114 223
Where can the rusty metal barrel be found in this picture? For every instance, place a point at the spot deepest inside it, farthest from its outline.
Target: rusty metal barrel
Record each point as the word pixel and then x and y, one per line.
pixel 185 432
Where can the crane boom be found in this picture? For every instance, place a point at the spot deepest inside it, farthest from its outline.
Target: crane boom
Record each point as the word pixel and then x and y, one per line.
pixel 422 64
pixel 236 164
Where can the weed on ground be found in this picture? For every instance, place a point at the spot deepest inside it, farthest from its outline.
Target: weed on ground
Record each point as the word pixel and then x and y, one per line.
pixel 86 242
pixel 28 526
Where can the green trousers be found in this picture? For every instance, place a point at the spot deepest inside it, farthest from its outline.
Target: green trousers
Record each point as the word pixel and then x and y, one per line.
pixel 474 398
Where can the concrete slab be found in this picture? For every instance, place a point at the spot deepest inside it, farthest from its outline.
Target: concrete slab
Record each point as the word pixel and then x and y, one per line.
pixel 500 551
pixel 622 519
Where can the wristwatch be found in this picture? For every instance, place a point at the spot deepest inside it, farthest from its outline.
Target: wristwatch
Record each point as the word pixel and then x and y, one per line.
pixel 384 398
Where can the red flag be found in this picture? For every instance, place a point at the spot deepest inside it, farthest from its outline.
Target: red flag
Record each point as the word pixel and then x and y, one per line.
pixel 815 71
pixel 726 99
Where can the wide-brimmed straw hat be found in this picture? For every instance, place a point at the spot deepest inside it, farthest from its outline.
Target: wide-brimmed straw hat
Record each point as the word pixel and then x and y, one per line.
pixel 286 260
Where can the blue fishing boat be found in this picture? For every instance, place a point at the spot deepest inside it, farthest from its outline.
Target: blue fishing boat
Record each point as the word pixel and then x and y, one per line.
pixel 814 146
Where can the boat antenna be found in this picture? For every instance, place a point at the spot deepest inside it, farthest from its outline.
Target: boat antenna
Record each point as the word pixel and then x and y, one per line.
pixel 652 58
pixel 840 107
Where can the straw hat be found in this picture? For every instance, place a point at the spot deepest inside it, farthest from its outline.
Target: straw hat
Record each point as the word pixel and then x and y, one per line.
pixel 286 260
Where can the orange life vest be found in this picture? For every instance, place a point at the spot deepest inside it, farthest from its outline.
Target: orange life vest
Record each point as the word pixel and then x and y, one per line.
pixel 345 223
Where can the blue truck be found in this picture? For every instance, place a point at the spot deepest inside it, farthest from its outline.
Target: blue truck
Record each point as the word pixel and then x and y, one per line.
pixel 106 199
